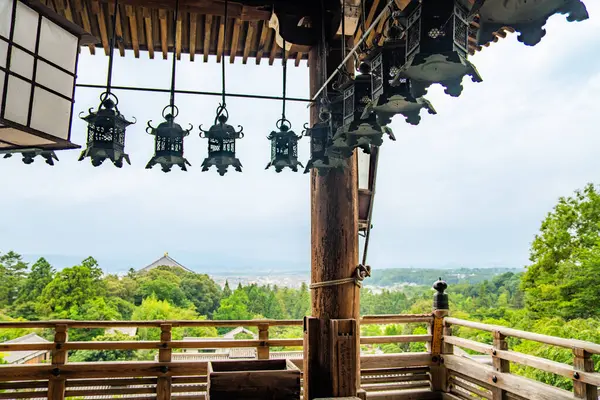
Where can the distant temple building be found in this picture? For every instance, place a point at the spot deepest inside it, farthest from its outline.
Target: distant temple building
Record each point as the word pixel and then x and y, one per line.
pixel 166 261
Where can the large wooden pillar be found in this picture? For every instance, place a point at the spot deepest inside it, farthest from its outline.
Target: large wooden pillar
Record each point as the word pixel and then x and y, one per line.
pixel 330 367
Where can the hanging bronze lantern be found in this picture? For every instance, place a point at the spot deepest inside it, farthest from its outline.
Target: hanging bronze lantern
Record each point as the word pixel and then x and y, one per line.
pixel 321 157
pixel 436 37
pixel 284 142
pixel 106 127
pixel 221 143
pixel 106 133
pixel 358 130
pixel 391 99
pixel 284 147
pixel 30 154
pixel 168 142
pixel 526 17
pixel 168 136
pixel 222 136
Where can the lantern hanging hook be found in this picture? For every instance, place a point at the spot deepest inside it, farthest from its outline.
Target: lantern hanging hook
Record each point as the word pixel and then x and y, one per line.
pixel 174 111
pixel 283 124
pixel 109 96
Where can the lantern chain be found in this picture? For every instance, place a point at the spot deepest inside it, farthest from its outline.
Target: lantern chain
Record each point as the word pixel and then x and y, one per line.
pixel 175 16
pixel 112 48
pixel 223 105
pixel 284 82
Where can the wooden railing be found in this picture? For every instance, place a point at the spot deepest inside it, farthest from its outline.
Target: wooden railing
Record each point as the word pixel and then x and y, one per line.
pixel 383 375
pixel 442 372
pixel 469 379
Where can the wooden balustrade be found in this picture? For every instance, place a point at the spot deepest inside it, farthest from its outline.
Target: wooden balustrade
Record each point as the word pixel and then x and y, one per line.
pixel 383 375
pixel 468 378
pixel 439 373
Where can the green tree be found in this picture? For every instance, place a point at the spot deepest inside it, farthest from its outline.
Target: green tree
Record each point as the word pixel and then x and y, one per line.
pixel 234 307
pixel 565 271
pixel 226 289
pixel 106 355
pixel 153 309
pixel 12 276
pixel 40 276
pixel 164 284
pixel 202 292
pixel 71 288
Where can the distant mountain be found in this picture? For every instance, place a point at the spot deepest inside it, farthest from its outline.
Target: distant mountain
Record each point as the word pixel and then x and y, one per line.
pixel 426 276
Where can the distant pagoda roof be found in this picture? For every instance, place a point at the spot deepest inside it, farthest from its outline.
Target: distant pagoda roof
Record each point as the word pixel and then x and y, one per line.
pixel 166 261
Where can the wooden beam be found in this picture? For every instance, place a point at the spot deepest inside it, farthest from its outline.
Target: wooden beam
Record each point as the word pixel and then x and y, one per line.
pixel 149 38
pixel 203 7
pixel 164 383
pixel 118 30
pixel 370 17
pixel 262 42
pixel 334 248
pixel 235 38
pixel 135 44
pixel 220 40
pixel 207 30
pixel 252 26
pixel 518 385
pixel 57 385
pixel 164 33
pixel 274 48
pixel 178 37
pixel 583 362
pixel 98 10
pixel 87 26
pixel 193 32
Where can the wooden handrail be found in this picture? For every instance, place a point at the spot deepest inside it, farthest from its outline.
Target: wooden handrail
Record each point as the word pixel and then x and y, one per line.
pixel 590 347
pixel 75 324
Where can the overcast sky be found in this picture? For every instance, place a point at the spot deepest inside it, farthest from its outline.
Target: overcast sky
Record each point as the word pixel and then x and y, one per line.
pixel 468 186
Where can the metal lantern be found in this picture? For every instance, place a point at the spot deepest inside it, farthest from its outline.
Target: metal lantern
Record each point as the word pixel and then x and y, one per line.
pixel 284 147
pixel 358 130
pixel 526 17
pixel 30 154
pixel 391 99
pixel 321 156
pixel 221 143
pixel 106 127
pixel 106 133
pixel 168 142
pixel 436 37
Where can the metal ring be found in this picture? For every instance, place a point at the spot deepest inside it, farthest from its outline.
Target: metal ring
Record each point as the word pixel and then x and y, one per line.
pixel 106 95
pixel 324 115
pixel 283 121
pixel 174 111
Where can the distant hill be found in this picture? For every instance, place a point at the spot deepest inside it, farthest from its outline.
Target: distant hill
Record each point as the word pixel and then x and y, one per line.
pixel 426 276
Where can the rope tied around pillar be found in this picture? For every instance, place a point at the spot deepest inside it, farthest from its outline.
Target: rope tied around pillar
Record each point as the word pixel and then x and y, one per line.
pixel 360 273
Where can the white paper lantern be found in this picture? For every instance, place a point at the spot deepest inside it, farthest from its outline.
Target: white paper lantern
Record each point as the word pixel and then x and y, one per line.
pixel 38 65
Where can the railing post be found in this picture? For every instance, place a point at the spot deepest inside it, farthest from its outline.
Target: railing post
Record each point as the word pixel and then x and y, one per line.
pixel 163 383
pixel 263 335
pixel 57 383
pixel 583 362
pixel 499 364
pixel 440 310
